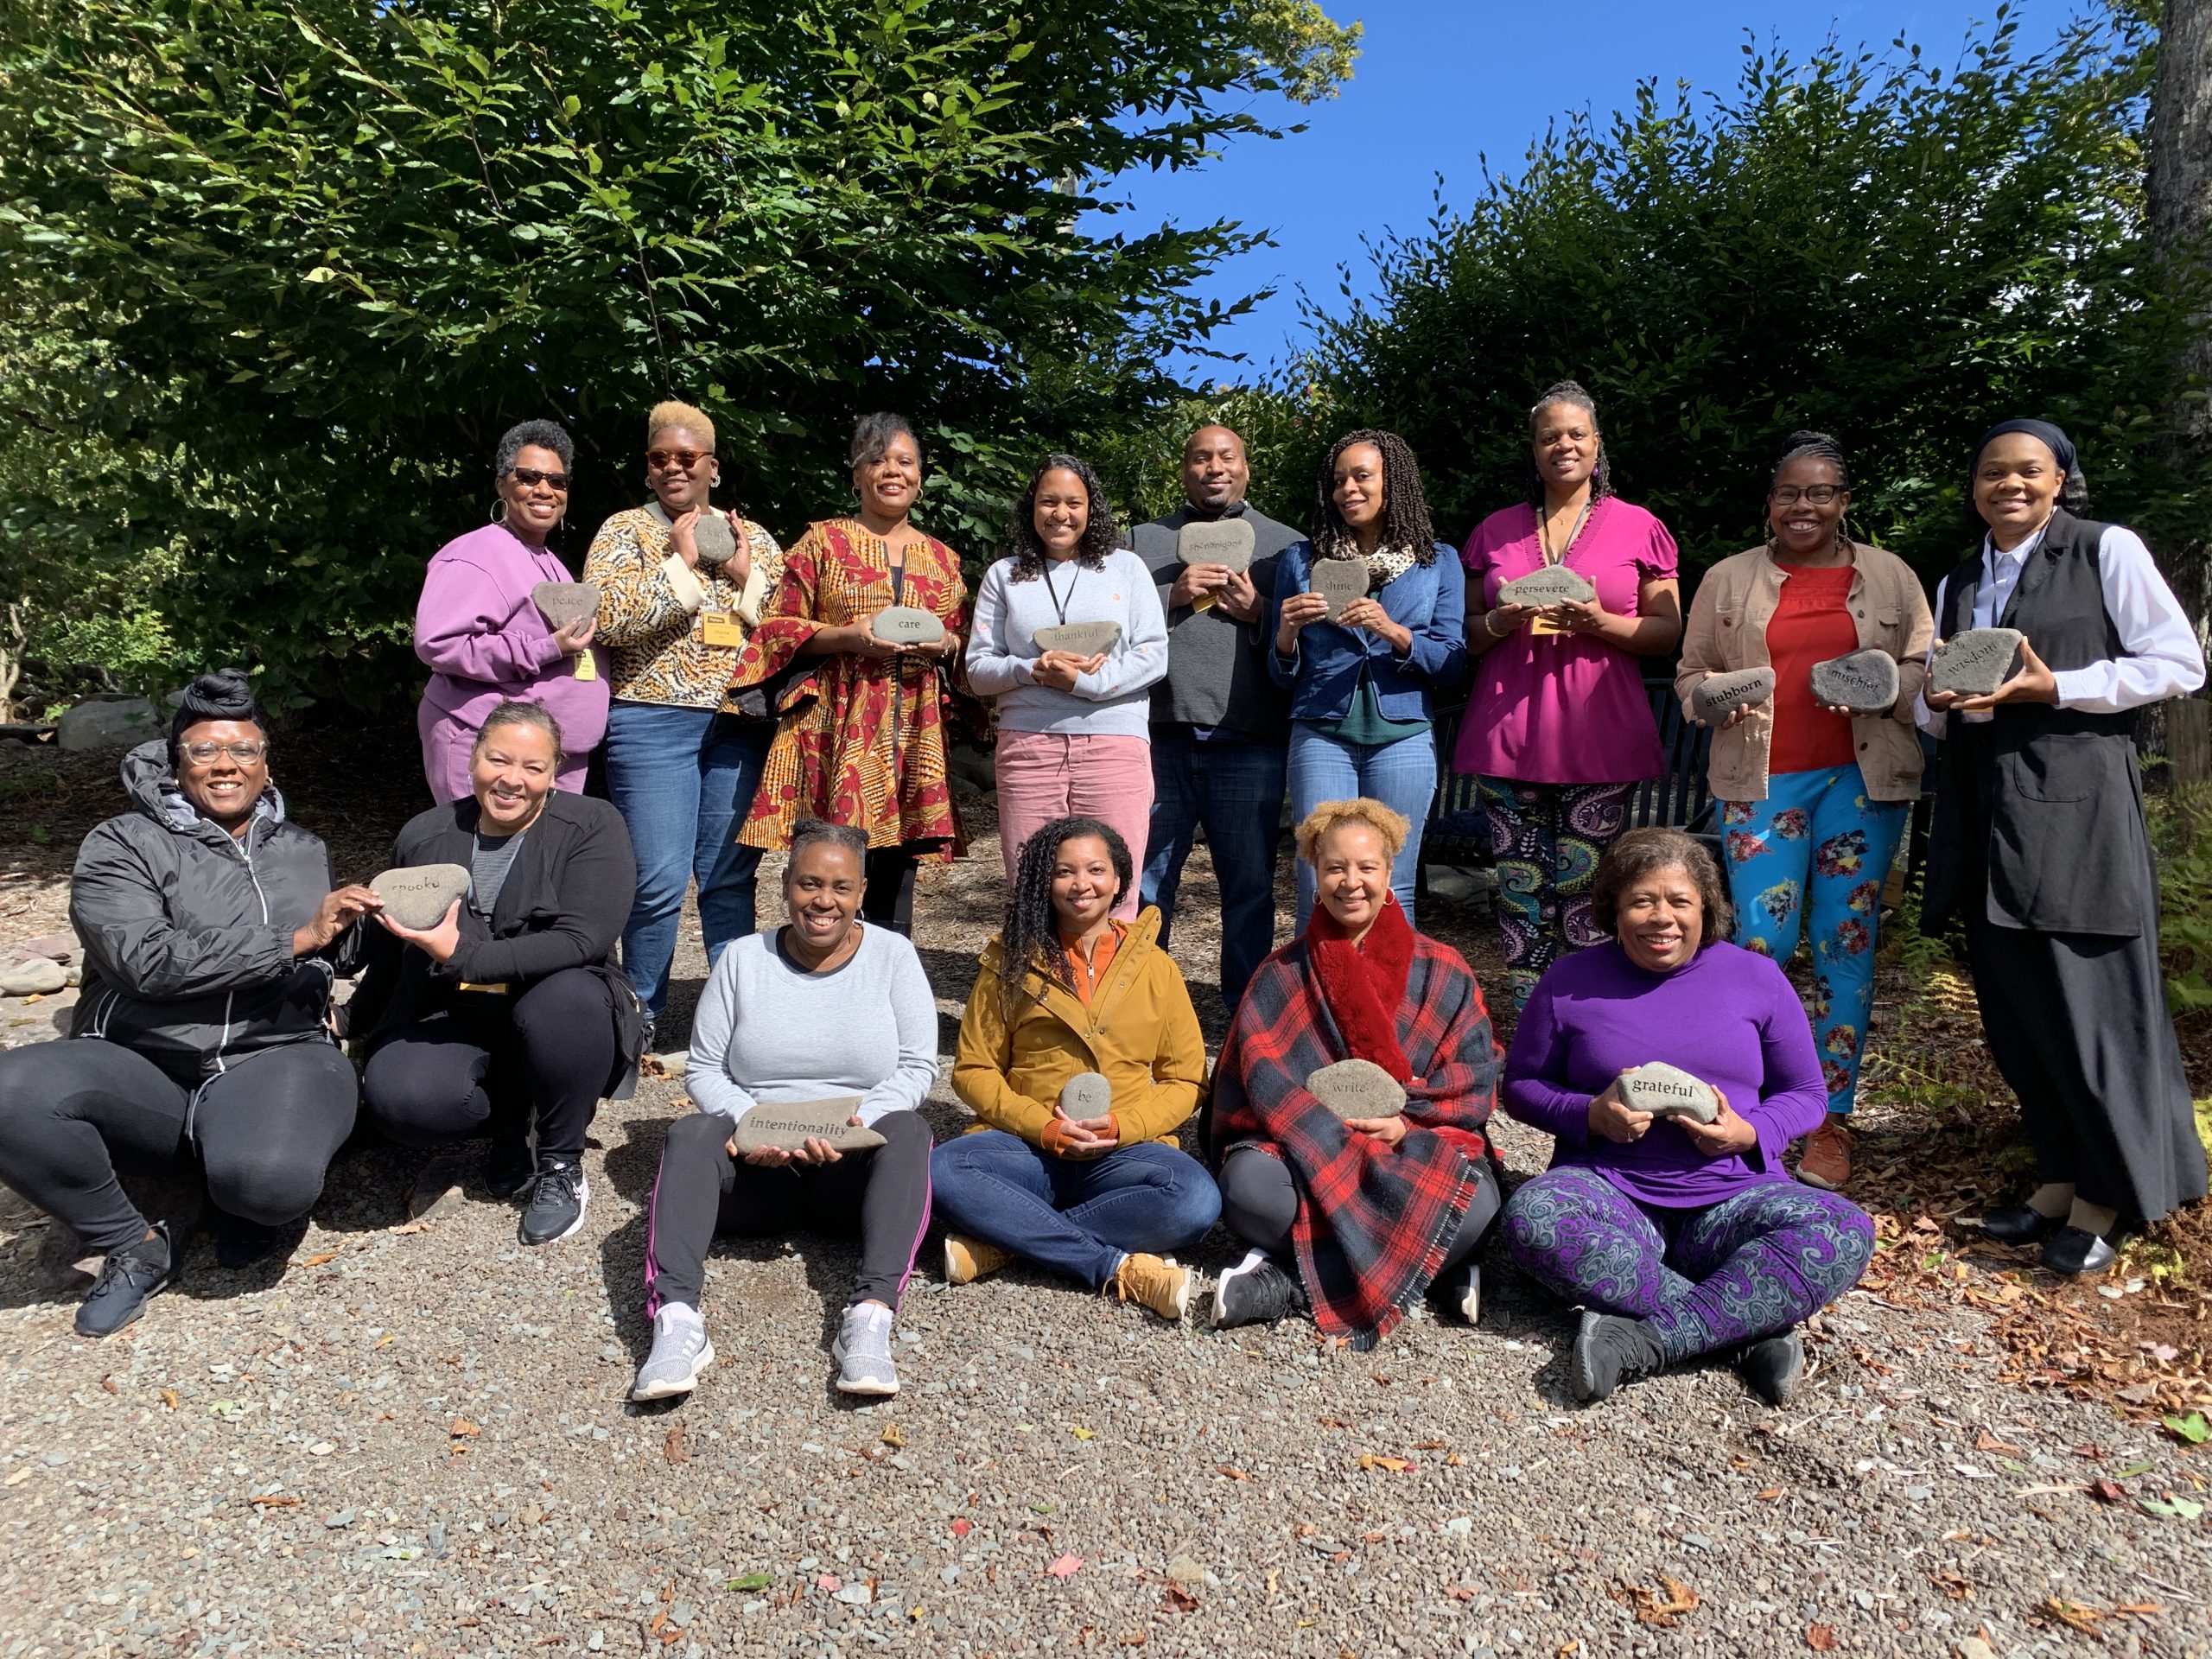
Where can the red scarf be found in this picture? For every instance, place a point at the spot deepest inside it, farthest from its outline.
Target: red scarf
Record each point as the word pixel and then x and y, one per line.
pixel 1363 983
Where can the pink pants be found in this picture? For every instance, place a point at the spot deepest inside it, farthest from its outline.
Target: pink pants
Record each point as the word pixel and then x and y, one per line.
pixel 1044 775
pixel 445 743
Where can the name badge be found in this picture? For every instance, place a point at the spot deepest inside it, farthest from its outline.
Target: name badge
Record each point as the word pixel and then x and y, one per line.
pixel 1541 624
pixel 587 661
pixel 721 628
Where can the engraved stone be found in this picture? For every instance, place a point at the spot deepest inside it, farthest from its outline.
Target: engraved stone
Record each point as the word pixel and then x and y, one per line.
pixel 1357 1089
pixel 1713 700
pixel 1668 1092
pixel 1086 1096
pixel 1975 663
pixel 417 897
pixel 1546 587
pixel 562 602
pixel 712 537
pixel 1865 682
pixel 1082 638
pixel 907 625
pixel 1225 542
pixel 1339 582
pixel 792 1125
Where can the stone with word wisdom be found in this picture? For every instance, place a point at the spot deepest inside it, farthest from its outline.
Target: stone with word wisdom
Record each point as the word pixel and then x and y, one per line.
pixel 1546 587
pixel 1865 682
pixel 417 897
pixel 1975 663
pixel 1339 582
pixel 1086 1096
pixel 1357 1089
pixel 712 537
pixel 562 602
pixel 1224 541
pixel 1713 700
pixel 790 1125
pixel 907 625
pixel 1080 638
pixel 1667 1091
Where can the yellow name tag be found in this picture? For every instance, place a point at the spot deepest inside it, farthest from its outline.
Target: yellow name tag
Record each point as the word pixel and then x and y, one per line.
pixel 721 628
pixel 500 989
pixel 1544 625
pixel 586 664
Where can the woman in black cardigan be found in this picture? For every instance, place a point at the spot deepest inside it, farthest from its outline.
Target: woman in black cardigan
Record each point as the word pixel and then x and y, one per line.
pixel 508 1014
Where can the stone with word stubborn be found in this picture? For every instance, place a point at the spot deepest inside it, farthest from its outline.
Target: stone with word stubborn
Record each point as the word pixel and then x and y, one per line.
pixel 562 602
pixel 907 625
pixel 712 537
pixel 1080 638
pixel 1865 682
pixel 1357 1089
pixel 1975 663
pixel 1339 582
pixel 1713 700
pixel 1086 1096
pixel 417 897
pixel 1224 541
pixel 1667 1091
pixel 792 1125
pixel 1546 587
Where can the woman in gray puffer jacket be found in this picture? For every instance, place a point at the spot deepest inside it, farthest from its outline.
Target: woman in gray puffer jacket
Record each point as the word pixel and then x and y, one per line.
pixel 210 928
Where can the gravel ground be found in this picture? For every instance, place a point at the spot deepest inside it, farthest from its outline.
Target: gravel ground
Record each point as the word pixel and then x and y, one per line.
pixel 412 1439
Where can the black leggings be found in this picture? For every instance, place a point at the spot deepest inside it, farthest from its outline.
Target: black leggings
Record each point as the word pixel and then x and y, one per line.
pixel 481 1068
pixel 1259 1201
pixel 266 1130
pixel 883 1193
pixel 890 898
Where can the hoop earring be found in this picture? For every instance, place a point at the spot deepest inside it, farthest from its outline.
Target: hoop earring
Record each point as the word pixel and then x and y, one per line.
pixel 499 511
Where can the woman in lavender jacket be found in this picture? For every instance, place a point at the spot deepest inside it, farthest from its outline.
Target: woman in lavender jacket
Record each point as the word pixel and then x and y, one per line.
pixel 481 634
pixel 1678 1237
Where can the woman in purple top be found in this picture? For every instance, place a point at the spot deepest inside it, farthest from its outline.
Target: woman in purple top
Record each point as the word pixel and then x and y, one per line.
pixel 482 637
pixel 1557 727
pixel 1678 1237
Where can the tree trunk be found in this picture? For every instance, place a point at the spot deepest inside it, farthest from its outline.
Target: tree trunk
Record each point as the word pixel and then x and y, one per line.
pixel 2179 201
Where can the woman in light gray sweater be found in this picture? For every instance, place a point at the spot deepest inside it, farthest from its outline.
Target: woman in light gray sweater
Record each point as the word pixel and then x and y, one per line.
pixel 825 1008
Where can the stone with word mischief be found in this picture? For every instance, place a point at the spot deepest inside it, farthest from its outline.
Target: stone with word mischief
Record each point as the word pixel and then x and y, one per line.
pixel 1546 587
pixel 1865 682
pixel 1086 1096
pixel 1080 638
pixel 417 897
pixel 1975 663
pixel 1339 582
pixel 562 602
pixel 1713 700
pixel 1357 1089
pixel 790 1125
pixel 1667 1091
pixel 712 537
pixel 907 625
pixel 1224 541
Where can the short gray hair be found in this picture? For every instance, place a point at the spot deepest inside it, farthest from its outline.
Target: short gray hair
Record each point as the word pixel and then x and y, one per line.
pixel 542 435
pixel 807 831
pixel 871 436
pixel 518 711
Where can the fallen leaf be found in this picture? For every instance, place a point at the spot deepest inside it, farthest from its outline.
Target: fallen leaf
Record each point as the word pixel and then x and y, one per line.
pixel 1178 1600
pixel 1768 1494
pixel 673 1447
pixel 1453 1460
pixel 751 1581
pixel 386 1339
pixel 2107 1491
pixel 1952 1585
pixel 2138 1609
pixel 961 1528
pixel 892 1436
pixel 1375 1460
pixel 169 1398
pixel 2075 1614
pixel 1085 1434
pixel 1985 1441
pixel 1065 1568
pixel 108 1382
pixel 1233 1472
pixel 2191 1430
pixel 1820 1638
pixel 462 1427
pixel 829 1582
pixel 319 1258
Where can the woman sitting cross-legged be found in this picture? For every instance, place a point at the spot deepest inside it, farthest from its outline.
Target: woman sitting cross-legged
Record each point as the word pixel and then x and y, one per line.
pixel 1065 990
pixel 1355 1217
pixel 1679 1237
pixel 825 1008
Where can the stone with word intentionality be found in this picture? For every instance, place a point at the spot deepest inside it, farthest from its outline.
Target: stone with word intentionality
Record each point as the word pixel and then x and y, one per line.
pixel 712 537
pixel 1865 682
pixel 790 1126
pixel 1713 700
pixel 1086 1096
pixel 1357 1089
pixel 1080 638
pixel 1225 542
pixel 1339 582
pixel 562 602
pixel 1547 586
pixel 1667 1091
pixel 907 625
pixel 417 897
pixel 1975 663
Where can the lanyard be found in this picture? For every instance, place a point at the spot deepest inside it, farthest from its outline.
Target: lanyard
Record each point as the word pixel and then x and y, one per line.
pixel 1059 605
pixel 1543 535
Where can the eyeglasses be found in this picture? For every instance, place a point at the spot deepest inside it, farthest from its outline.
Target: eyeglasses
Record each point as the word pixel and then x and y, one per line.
pixel 245 751
pixel 1819 495
pixel 530 476
pixel 661 459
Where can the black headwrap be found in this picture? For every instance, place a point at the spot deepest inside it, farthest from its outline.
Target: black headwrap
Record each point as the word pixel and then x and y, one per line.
pixel 2073 490
pixel 225 694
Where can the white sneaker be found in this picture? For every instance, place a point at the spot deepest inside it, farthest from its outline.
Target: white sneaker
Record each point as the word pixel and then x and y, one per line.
pixel 862 1351
pixel 1467 1293
pixel 681 1351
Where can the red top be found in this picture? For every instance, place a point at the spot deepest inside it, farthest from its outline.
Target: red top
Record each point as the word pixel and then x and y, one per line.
pixel 1811 623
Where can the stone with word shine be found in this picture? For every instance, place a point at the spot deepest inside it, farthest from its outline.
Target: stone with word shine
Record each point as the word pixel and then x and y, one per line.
pixel 1339 582
pixel 790 1125
pixel 1975 663
pixel 562 602
pixel 907 625
pixel 417 897
pixel 1547 586
pixel 1086 1096
pixel 1357 1089
pixel 1080 638
pixel 1713 700
pixel 714 539
pixel 1865 682
pixel 1224 541
pixel 1667 1091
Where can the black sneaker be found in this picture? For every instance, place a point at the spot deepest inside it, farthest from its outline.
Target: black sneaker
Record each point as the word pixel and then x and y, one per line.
pixel 1609 1350
pixel 554 1206
pixel 508 1167
pixel 1773 1367
pixel 1256 1292
pixel 127 1278
pixel 239 1243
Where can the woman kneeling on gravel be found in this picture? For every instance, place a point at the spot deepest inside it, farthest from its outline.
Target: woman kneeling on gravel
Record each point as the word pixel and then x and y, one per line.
pixel 1088 1181
pixel 1355 1216
pixel 1679 1237
pixel 824 1010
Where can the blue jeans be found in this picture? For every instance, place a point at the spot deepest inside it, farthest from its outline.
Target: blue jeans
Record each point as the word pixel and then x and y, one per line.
pixel 1401 775
pixel 1236 790
pixel 682 779
pixel 1077 1216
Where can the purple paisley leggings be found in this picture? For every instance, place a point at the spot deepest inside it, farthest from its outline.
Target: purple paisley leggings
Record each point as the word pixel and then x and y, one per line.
pixel 1545 842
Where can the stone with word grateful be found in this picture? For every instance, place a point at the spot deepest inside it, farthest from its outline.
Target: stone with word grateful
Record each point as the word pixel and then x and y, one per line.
pixel 1086 1096
pixel 907 625
pixel 1865 682
pixel 562 602
pixel 1975 663
pixel 1667 1091
pixel 1339 582
pixel 417 897
pixel 1713 700
pixel 1224 541
pixel 790 1125
pixel 1547 586
pixel 1080 638
pixel 1357 1089
pixel 712 537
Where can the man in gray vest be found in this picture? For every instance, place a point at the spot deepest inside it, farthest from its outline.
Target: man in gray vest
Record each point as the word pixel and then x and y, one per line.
pixel 1220 725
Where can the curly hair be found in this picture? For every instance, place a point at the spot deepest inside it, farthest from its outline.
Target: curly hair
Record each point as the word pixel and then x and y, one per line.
pixel 1405 505
pixel 1641 852
pixel 1571 393
pixel 1029 556
pixel 1030 937
pixel 541 434
pixel 1315 828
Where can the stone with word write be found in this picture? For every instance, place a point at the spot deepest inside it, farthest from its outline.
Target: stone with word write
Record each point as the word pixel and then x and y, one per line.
pixel 1547 586
pixel 417 897
pixel 1975 663
pixel 713 537
pixel 1339 582
pixel 1713 700
pixel 790 1125
pixel 1357 1089
pixel 1086 1096
pixel 1224 541
pixel 1667 1091
pixel 562 602
pixel 1865 682
pixel 907 625
pixel 1080 638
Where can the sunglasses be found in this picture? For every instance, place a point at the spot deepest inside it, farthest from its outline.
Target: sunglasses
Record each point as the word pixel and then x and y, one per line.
pixel 661 459
pixel 245 751
pixel 528 477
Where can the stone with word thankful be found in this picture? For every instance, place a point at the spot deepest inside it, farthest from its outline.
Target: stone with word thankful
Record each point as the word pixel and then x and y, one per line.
pixel 1357 1089
pixel 417 897
pixel 712 537
pixel 562 602
pixel 1080 638
pixel 1224 541
pixel 1086 1096
pixel 1667 1091
pixel 1865 682
pixel 790 1125
pixel 1549 586
pixel 907 625
pixel 1713 700
pixel 1975 663
pixel 1339 582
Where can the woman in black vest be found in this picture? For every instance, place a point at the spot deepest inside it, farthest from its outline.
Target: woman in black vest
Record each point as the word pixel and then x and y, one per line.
pixel 2040 848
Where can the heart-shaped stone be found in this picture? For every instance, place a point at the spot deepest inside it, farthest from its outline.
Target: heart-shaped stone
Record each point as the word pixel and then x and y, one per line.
pixel 1357 1089
pixel 562 602
pixel 417 896
pixel 791 1124
pixel 1975 663
pixel 907 625
pixel 1865 682
pixel 1713 700
pixel 712 537
pixel 1547 586
pixel 1085 1096
pixel 1667 1091
pixel 1225 542
pixel 1339 582
pixel 1082 638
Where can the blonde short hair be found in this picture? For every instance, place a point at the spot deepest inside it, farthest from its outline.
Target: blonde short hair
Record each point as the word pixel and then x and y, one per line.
pixel 672 414
pixel 1333 815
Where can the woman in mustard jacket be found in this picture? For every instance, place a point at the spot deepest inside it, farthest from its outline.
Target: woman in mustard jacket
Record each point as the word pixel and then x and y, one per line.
pixel 1094 1188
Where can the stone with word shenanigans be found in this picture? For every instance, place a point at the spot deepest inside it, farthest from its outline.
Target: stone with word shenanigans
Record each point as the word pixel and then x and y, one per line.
pixel 1547 586
pixel 1865 682
pixel 1357 1089
pixel 417 897
pixel 1080 638
pixel 1224 541
pixel 562 602
pixel 1667 1091
pixel 714 539
pixel 907 624
pixel 790 1125
pixel 1713 700
pixel 1339 582
pixel 1086 1096
pixel 1975 663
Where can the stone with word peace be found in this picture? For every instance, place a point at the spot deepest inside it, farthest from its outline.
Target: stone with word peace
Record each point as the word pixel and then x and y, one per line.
pixel 714 539
pixel 1357 1089
pixel 1549 586
pixel 1713 700
pixel 1667 1091
pixel 790 1125
pixel 1080 638
pixel 562 602
pixel 1224 541
pixel 417 897
pixel 907 625
pixel 1975 663
pixel 1865 682
pixel 1339 582
pixel 1086 1096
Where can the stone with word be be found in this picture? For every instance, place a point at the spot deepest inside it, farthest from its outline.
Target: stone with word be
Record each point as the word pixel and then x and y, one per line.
pixel 1224 541
pixel 1086 1096
pixel 790 1125
pixel 714 539
pixel 562 602
pixel 1339 582
pixel 907 625
pixel 1080 638
pixel 1357 1089
pixel 1975 663
pixel 1667 1091
pixel 1865 682
pixel 1713 700
pixel 1546 587
pixel 417 897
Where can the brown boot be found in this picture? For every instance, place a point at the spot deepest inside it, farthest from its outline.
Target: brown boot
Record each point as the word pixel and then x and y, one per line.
pixel 1826 1160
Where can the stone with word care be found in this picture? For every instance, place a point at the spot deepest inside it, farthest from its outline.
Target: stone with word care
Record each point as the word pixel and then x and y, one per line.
pixel 1339 582
pixel 1547 586
pixel 1865 682
pixel 712 537
pixel 1080 638
pixel 1975 663
pixel 562 602
pixel 1357 1089
pixel 1225 542
pixel 1667 1091
pixel 1086 1096
pixel 417 897
pixel 1713 700
pixel 792 1125
pixel 907 625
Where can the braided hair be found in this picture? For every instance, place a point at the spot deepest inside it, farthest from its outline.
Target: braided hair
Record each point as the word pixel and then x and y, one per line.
pixel 1815 446
pixel 1405 505
pixel 1571 393
pixel 1031 937
pixel 1029 556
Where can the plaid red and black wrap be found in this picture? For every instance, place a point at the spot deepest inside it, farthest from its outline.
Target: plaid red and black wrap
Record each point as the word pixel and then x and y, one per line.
pixel 1373 1221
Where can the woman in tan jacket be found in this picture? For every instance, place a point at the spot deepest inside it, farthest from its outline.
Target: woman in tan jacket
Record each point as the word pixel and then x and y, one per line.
pixel 1813 797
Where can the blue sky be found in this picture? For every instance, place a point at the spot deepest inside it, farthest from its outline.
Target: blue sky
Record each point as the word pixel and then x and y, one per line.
pixel 1442 83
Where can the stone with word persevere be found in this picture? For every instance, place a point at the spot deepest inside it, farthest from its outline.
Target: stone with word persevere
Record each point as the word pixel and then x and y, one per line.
pixel 1357 1089
pixel 1865 682
pixel 1086 1096
pixel 907 624
pixel 1714 699
pixel 1080 638
pixel 562 602
pixel 1339 582
pixel 1224 541
pixel 1547 586
pixel 712 537
pixel 417 897
pixel 1975 663
pixel 790 1125
pixel 1667 1091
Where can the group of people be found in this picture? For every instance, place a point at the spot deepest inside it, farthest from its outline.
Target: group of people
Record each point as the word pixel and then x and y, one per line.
pixel 748 700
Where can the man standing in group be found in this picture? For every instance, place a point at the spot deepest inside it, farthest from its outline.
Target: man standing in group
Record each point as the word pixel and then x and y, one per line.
pixel 1220 725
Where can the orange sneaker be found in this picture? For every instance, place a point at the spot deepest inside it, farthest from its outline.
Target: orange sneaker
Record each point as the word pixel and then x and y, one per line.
pixel 1154 1281
pixel 967 1260
pixel 1826 1160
